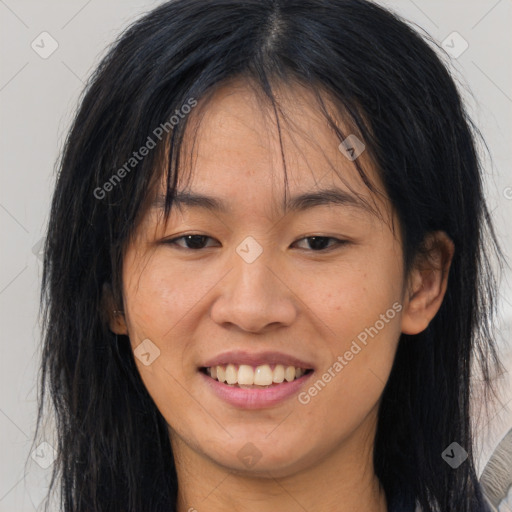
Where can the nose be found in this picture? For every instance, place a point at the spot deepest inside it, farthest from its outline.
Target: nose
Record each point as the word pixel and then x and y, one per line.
pixel 254 297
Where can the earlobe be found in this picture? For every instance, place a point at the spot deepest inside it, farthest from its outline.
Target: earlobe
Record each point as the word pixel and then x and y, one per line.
pixel 428 281
pixel 117 322
pixel 113 316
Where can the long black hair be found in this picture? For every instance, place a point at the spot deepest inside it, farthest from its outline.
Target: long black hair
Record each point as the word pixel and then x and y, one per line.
pixel 114 452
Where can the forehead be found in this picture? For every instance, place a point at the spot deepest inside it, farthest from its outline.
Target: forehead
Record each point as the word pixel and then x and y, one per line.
pixel 238 149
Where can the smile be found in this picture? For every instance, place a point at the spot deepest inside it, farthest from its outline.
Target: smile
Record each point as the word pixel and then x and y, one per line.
pixel 262 376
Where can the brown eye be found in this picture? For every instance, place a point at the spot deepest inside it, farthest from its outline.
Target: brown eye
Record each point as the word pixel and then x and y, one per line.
pixel 193 241
pixel 321 243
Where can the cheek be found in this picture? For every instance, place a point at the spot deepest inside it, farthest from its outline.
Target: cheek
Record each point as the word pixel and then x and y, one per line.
pixel 159 295
pixel 352 295
pixel 358 305
pixel 360 325
pixel 157 300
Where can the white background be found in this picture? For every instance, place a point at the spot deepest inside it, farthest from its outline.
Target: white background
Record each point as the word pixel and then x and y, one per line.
pixel 37 100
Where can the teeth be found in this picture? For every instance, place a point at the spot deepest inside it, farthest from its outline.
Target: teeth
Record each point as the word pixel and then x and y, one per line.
pixel 278 373
pixel 231 374
pixel 245 375
pixel 263 375
pixel 289 373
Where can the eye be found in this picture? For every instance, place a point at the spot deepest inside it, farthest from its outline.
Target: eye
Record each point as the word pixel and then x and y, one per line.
pixel 196 242
pixel 191 241
pixel 321 243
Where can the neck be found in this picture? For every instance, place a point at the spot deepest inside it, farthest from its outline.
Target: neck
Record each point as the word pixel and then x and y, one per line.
pixel 341 481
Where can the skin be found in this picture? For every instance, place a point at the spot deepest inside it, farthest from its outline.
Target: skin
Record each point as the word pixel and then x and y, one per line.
pixel 196 303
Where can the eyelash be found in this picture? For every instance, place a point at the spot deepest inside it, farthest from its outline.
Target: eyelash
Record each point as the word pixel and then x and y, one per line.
pixel 337 241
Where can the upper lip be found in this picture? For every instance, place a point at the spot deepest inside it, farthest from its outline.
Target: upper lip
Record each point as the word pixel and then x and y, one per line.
pixel 256 359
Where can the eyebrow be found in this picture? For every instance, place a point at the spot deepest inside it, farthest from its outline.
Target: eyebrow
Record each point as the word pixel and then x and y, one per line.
pixel 301 202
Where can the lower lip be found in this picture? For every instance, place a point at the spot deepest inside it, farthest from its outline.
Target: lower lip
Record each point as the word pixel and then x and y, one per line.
pixel 255 398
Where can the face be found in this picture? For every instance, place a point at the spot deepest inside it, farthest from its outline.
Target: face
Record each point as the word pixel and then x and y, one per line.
pixel 316 285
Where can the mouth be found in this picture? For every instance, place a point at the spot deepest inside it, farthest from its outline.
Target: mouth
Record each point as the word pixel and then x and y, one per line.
pixel 254 377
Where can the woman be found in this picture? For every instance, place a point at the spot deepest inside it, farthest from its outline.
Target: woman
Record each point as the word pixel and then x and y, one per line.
pixel 266 276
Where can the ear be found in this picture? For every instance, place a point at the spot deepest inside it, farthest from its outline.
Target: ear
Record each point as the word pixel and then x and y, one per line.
pixel 112 313
pixel 427 282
